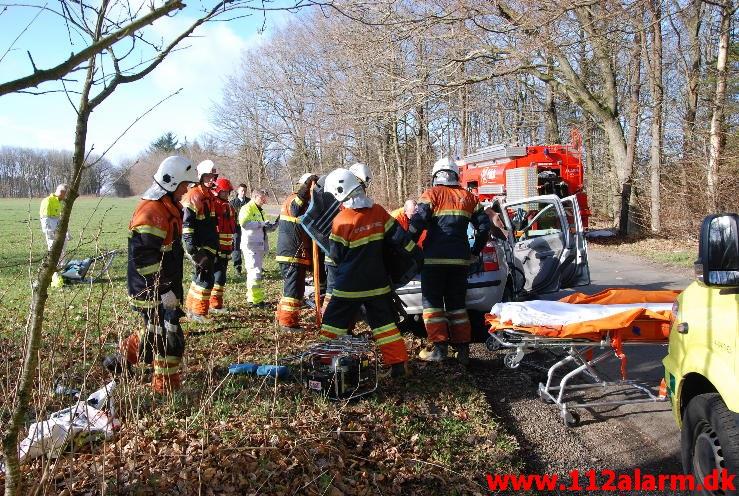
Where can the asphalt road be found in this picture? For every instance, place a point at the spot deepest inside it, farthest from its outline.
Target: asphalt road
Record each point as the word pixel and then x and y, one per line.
pixel 617 438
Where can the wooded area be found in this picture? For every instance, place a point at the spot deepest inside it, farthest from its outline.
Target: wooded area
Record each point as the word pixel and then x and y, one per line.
pixel 33 172
pixel 651 86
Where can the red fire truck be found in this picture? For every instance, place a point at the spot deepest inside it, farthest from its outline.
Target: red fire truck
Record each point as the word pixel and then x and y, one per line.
pixel 511 172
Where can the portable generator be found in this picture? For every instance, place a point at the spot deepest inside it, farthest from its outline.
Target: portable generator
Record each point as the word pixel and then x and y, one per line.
pixel 341 369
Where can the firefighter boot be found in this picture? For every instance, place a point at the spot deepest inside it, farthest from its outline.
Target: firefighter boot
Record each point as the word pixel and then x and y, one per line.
pixel 435 352
pixel 462 353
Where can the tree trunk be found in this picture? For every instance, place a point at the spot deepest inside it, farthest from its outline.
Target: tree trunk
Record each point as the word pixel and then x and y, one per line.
pixel 40 292
pixel 692 22
pixel 550 113
pixel 624 173
pixel 657 89
pixel 719 100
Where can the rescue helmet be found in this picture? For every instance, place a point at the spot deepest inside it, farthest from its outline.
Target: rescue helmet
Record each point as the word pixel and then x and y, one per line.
pixel 173 171
pixel 223 184
pixel 206 167
pixel 341 183
pixel 445 171
pixel 362 171
pixel 304 178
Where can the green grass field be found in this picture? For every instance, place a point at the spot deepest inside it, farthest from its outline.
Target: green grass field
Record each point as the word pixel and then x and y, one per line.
pixel 223 434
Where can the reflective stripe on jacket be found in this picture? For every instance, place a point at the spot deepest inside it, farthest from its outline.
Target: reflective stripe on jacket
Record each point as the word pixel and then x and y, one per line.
pixel 356 247
pixel 226 217
pixel 253 235
pixel 445 212
pixel 199 223
pixel 293 244
pixel 155 252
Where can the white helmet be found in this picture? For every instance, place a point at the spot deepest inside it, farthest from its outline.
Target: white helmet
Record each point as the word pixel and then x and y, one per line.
pixel 341 183
pixel 206 167
pixel 362 171
pixel 445 171
pixel 304 178
pixel 173 171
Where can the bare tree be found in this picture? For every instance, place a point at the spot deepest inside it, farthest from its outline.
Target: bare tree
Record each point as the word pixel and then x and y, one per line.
pixel 719 101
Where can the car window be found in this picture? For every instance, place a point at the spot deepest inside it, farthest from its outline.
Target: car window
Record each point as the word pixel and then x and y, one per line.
pixel 534 219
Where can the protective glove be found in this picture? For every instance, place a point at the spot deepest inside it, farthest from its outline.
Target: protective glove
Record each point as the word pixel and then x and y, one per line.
pixel 169 300
pixel 203 261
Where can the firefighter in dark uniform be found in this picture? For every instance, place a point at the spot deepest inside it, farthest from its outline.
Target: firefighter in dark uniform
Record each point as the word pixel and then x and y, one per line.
pixel 359 234
pixel 226 231
pixel 200 239
pixel 293 254
pixel 445 210
pixel 238 202
pixel 155 259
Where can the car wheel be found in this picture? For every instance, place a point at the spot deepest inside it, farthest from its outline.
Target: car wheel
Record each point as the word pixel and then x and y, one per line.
pixel 710 440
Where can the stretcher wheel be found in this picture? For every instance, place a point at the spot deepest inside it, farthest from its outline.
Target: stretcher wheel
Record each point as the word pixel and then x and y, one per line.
pixel 511 361
pixel 570 419
pixel 492 344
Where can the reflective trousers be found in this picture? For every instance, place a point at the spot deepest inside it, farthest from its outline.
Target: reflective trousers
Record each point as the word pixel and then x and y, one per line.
pixel 161 343
pixel 293 291
pixel 444 291
pixel 253 264
pixel 219 280
pixel 198 297
pixel 381 317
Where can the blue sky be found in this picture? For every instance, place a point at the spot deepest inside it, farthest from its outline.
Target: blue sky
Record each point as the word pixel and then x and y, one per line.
pixel 47 121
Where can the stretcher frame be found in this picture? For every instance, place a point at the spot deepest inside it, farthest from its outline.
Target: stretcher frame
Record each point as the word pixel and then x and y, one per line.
pixel 577 351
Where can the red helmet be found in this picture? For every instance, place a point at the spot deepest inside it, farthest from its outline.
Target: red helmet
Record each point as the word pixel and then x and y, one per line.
pixel 223 184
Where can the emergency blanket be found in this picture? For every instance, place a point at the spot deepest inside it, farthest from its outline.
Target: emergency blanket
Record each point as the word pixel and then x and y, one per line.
pixel 625 314
pixel 84 421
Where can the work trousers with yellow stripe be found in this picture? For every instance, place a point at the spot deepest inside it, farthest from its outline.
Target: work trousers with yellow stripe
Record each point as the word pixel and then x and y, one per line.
pixel 444 291
pixel 219 280
pixel 293 291
pixel 161 343
pixel 381 317
pixel 201 287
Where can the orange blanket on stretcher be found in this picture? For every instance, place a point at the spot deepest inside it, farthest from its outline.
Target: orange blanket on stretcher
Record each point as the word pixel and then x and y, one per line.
pixel 635 324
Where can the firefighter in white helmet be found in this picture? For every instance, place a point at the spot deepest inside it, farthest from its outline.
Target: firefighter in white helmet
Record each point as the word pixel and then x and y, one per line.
pixel 200 239
pixel 444 211
pixel 363 173
pixel 359 234
pixel 294 254
pixel 155 259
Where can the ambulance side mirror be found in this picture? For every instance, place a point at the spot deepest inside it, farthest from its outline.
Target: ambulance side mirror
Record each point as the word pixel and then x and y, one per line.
pixel 718 251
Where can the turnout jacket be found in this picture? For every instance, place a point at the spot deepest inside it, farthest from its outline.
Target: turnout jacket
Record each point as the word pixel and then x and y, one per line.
pixel 199 223
pixel 154 252
pixel 445 212
pixel 293 243
pixel 226 218
pixel 356 245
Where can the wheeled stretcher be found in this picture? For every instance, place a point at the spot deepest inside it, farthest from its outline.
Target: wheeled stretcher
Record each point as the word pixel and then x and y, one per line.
pixel 588 330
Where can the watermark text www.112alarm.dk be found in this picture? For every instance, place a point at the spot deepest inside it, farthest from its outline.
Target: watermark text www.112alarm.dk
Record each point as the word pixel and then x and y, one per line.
pixel 609 480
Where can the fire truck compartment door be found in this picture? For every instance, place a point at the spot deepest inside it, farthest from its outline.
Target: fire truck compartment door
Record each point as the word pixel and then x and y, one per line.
pixel 575 270
pixel 541 241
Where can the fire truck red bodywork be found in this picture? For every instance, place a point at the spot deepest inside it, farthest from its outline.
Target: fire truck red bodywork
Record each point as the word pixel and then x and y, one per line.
pixel 487 178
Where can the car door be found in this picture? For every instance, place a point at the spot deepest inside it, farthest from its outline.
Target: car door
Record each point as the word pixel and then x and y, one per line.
pixel 575 271
pixel 541 242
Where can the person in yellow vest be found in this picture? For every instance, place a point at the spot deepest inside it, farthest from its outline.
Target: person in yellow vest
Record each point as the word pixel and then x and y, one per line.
pixel 49 213
pixel 254 245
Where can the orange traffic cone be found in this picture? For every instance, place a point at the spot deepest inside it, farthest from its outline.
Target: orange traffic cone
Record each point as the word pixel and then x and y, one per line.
pixel 663 389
